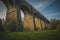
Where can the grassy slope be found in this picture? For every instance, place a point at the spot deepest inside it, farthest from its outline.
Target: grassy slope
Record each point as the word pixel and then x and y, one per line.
pixel 41 35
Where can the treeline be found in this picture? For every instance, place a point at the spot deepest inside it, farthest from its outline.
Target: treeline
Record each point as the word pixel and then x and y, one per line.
pixel 55 24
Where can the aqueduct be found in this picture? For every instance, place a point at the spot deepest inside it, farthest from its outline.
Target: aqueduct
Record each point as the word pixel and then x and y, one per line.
pixel 33 20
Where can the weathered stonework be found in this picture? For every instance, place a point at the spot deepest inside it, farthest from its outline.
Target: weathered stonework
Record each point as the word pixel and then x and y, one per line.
pixel 28 23
pixel 38 24
pixel 43 24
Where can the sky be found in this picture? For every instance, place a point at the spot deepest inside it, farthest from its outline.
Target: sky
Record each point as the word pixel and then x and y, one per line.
pixel 49 8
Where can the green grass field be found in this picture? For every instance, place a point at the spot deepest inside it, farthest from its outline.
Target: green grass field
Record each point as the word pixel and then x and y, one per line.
pixel 36 35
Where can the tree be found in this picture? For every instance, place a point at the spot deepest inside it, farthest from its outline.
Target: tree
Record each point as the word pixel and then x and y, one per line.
pixel 1 27
pixel 55 24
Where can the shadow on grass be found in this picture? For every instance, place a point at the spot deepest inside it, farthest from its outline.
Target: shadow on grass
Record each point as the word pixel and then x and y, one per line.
pixel 37 35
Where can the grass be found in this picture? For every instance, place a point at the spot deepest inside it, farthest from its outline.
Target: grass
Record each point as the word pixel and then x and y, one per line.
pixel 36 35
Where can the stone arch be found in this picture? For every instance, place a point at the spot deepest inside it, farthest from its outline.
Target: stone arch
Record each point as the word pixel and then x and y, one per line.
pixel 28 18
pixel 24 8
pixel 37 21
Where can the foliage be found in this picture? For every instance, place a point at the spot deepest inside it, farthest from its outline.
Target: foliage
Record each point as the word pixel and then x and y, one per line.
pixel 55 24
pixel 1 27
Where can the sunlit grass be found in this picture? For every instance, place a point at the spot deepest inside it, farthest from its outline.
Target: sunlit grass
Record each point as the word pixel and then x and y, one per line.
pixel 36 35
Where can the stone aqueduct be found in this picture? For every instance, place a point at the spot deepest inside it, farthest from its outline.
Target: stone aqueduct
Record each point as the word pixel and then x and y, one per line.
pixel 33 20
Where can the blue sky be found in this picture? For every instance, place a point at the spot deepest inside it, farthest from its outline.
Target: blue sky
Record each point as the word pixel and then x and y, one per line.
pixel 49 8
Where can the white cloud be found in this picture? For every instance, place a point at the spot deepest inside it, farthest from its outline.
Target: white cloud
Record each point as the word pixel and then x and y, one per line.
pixel 44 4
pixel 52 15
pixel 22 14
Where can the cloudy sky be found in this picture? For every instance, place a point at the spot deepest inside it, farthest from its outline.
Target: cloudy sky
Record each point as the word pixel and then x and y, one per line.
pixel 49 8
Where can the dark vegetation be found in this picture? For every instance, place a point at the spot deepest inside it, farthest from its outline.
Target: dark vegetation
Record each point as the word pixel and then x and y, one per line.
pixel 1 26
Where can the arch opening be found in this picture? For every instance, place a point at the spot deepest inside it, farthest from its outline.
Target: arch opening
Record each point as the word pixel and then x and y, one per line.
pixel 22 15
pixel 3 12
